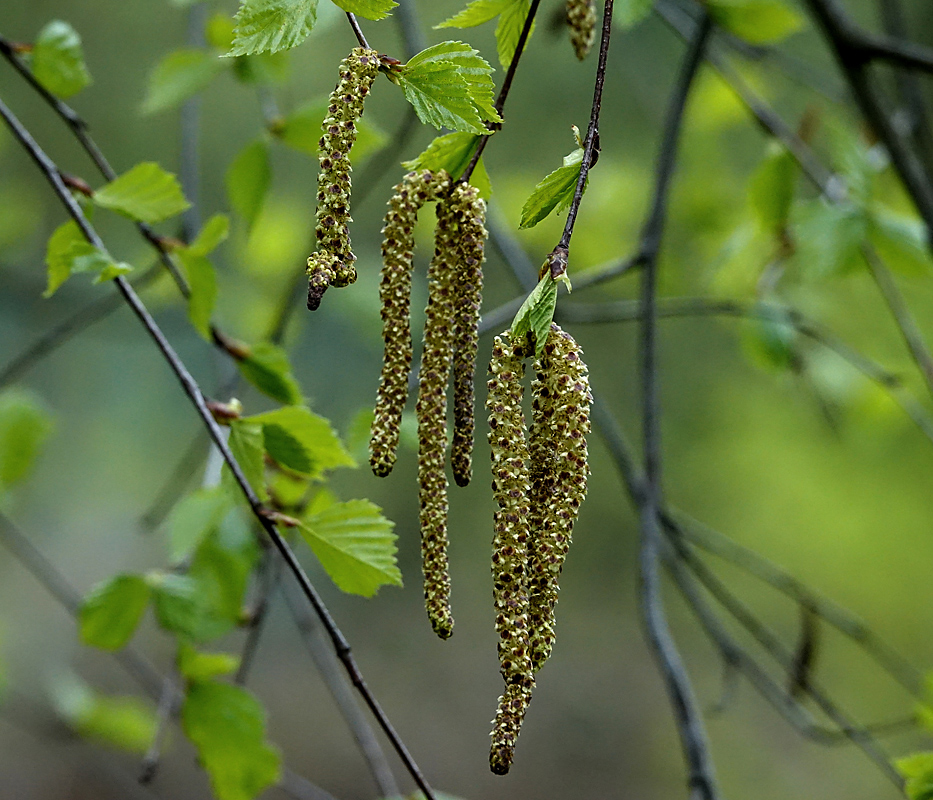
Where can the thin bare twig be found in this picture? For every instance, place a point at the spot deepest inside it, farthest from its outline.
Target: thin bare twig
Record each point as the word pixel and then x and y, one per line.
pixel 358 31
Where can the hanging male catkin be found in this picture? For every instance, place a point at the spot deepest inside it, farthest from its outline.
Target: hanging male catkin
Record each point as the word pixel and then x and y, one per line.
pixel 512 491
pixel 398 245
pixel 581 18
pixel 558 456
pixel 431 410
pixel 471 212
pixel 332 263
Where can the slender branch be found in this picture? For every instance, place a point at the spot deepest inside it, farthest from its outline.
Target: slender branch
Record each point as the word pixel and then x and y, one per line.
pixel 191 389
pixel 591 142
pixel 358 31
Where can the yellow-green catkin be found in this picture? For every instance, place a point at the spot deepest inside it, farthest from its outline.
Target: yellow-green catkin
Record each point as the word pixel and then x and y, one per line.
pixel 398 245
pixel 559 469
pixel 470 211
pixel 431 410
pixel 511 490
pixel 581 18
pixel 333 263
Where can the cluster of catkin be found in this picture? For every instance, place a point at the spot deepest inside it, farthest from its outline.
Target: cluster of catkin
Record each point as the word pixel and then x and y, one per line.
pixel 333 262
pixel 581 19
pixel 450 339
pixel 539 481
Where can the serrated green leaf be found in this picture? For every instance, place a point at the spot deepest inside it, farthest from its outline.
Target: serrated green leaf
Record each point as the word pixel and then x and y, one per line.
pixel 127 723
pixel 917 769
pixel 555 191
pixel 212 233
pixel 901 241
pixel 25 424
pixel 301 130
pixel 321 448
pixel 65 245
pixel 476 13
pixel 178 76
pixel 756 21
pixel 371 9
pixel 57 60
pixel 247 180
pixel 196 666
pixel 111 611
pixel 771 189
pixel 355 545
pixel 452 153
pixel 227 726
pixel 272 25
pixel 193 519
pixel 146 193
pixel 246 443
pixel 509 30
pixel 267 367
pixel 221 571
pixel 536 314
pixel 628 13
pixel 203 285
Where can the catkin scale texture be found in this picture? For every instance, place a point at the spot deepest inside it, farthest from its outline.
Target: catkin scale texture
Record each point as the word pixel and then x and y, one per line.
pixel 398 244
pixel 581 18
pixel 559 469
pixel 333 263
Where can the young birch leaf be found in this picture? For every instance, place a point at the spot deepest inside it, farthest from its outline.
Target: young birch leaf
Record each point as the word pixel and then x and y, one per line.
pixel 178 76
pixel 193 519
pixel 203 285
pixel 771 190
pixel 476 13
pixel 536 314
pixel 271 25
pixel 196 666
pixel 111 611
pixel 65 244
pixel 147 193
pixel 126 723
pixel 900 241
pixel 246 443
pixel 267 367
pixel 320 447
pixel 756 21
pixel 917 769
pixel 355 545
pixel 301 130
pixel 247 180
pixel 227 726
pixel 452 153
pixel 509 30
pixel 215 231
pixel 555 191
pixel 24 426
pixel 371 9
pixel 58 60
pixel 628 13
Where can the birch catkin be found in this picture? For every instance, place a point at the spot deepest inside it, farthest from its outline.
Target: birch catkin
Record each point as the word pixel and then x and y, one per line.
pixel 398 244
pixel 558 456
pixel 333 263
pixel 581 17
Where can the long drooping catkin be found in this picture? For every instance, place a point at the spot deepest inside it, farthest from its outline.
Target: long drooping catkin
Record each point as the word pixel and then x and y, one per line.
pixel 581 18
pixel 333 263
pixel 558 456
pixel 398 244
pixel 431 410
pixel 471 213
pixel 511 489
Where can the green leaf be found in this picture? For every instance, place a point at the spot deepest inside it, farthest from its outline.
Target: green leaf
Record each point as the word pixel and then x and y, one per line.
pixel 248 179
pixel 267 367
pixel 214 231
pixel 509 30
pixel 25 424
pixel 246 443
pixel 58 60
pixel 227 726
pixel 901 241
pixel 147 193
pixel 193 519
pixel 178 606
pixel 917 769
pixel 371 9
pixel 221 570
pixel 756 21
pixel 178 76
pixel 452 153
pixel 555 191
pixel 536 314
pixel 771 190
pixel 272 25
pixel 628 13
pixel 476 13
pixel 355 545
pixel 301 130
pixel 111 611
pixel 203 285
pixel 123 722
pixel 68 252
pixel 302 441
pixel 196 666
pixel 449 85
pixel 829 237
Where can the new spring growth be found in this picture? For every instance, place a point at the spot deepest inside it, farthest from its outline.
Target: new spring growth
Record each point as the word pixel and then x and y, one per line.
pixel 333 262
pixel 398 245
pixel 581 18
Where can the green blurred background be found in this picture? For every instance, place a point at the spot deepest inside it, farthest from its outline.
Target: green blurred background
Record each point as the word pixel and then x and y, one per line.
pixel 815 468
